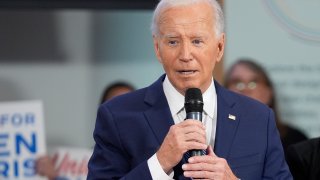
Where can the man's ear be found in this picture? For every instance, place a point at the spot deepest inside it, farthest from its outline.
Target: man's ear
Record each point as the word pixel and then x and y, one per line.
pixel 156 46
pixel 220 47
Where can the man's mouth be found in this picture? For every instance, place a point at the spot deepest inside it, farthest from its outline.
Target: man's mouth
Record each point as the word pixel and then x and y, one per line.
pixel 187 72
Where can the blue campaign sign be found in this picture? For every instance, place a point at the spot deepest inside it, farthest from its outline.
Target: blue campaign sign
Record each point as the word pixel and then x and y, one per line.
pixel 21 139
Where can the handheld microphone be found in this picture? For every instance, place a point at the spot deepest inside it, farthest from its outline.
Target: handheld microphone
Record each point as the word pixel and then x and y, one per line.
pixel 194 107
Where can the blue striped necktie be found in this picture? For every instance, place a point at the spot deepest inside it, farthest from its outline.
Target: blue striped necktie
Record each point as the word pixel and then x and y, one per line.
pixel 187 155
pixel 178 172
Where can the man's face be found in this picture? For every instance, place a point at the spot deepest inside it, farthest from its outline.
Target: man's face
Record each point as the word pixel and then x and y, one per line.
pixel 187 46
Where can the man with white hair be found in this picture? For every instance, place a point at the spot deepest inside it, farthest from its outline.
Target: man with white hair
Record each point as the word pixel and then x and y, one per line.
pixel 144 134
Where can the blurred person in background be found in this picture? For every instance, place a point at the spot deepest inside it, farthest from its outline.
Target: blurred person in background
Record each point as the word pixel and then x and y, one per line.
pixel 45 165
pixel 116 89
pixel 304 159
pixel 250 79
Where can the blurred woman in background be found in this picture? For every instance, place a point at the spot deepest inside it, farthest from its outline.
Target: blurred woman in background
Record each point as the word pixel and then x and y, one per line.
pixel 249 78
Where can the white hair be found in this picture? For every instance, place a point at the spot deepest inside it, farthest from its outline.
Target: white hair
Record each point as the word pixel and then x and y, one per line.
pixel 166 4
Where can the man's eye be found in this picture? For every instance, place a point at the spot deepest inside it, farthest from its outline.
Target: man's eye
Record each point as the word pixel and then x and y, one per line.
pixel 197 41
pixel 172 42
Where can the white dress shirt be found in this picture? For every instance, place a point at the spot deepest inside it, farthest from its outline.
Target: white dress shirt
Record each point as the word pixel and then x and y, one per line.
pixel 176 105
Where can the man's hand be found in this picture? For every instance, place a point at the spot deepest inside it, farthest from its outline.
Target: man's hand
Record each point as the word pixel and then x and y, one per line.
pixel 208 167
pixel 187 135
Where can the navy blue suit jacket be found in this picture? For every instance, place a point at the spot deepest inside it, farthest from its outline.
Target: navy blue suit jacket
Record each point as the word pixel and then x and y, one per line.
pixel 130 129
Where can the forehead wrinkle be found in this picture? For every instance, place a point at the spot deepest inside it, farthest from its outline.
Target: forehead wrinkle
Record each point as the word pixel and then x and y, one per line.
pixel 177 29
pixel 166 21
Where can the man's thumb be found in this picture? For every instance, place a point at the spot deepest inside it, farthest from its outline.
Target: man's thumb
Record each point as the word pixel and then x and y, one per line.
pixel 210 151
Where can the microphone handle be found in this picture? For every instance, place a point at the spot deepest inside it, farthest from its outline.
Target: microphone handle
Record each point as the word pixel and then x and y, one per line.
pixel 196 116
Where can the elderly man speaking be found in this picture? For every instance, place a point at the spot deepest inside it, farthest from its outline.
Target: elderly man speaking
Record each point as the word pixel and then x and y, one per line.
pixel 147 134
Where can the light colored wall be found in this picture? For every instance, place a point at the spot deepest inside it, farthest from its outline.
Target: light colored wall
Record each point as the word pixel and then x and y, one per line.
pixel 283 36
pixel 87 50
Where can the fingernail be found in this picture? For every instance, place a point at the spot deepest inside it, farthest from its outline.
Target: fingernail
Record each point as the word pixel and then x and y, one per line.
pixel 184 166
pixel 191 159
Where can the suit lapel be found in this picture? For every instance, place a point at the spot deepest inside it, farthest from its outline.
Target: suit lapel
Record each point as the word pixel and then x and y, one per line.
pixel 227 122
pixel 158 115
pixel 160 119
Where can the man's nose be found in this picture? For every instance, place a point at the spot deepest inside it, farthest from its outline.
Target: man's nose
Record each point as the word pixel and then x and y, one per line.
pixel 185 52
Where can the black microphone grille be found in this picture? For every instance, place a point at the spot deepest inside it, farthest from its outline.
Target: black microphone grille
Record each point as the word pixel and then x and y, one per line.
pixel 193 100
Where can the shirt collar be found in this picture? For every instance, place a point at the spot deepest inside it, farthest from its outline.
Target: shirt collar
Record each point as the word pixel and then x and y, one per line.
pixel 176 100
pixel 209 100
